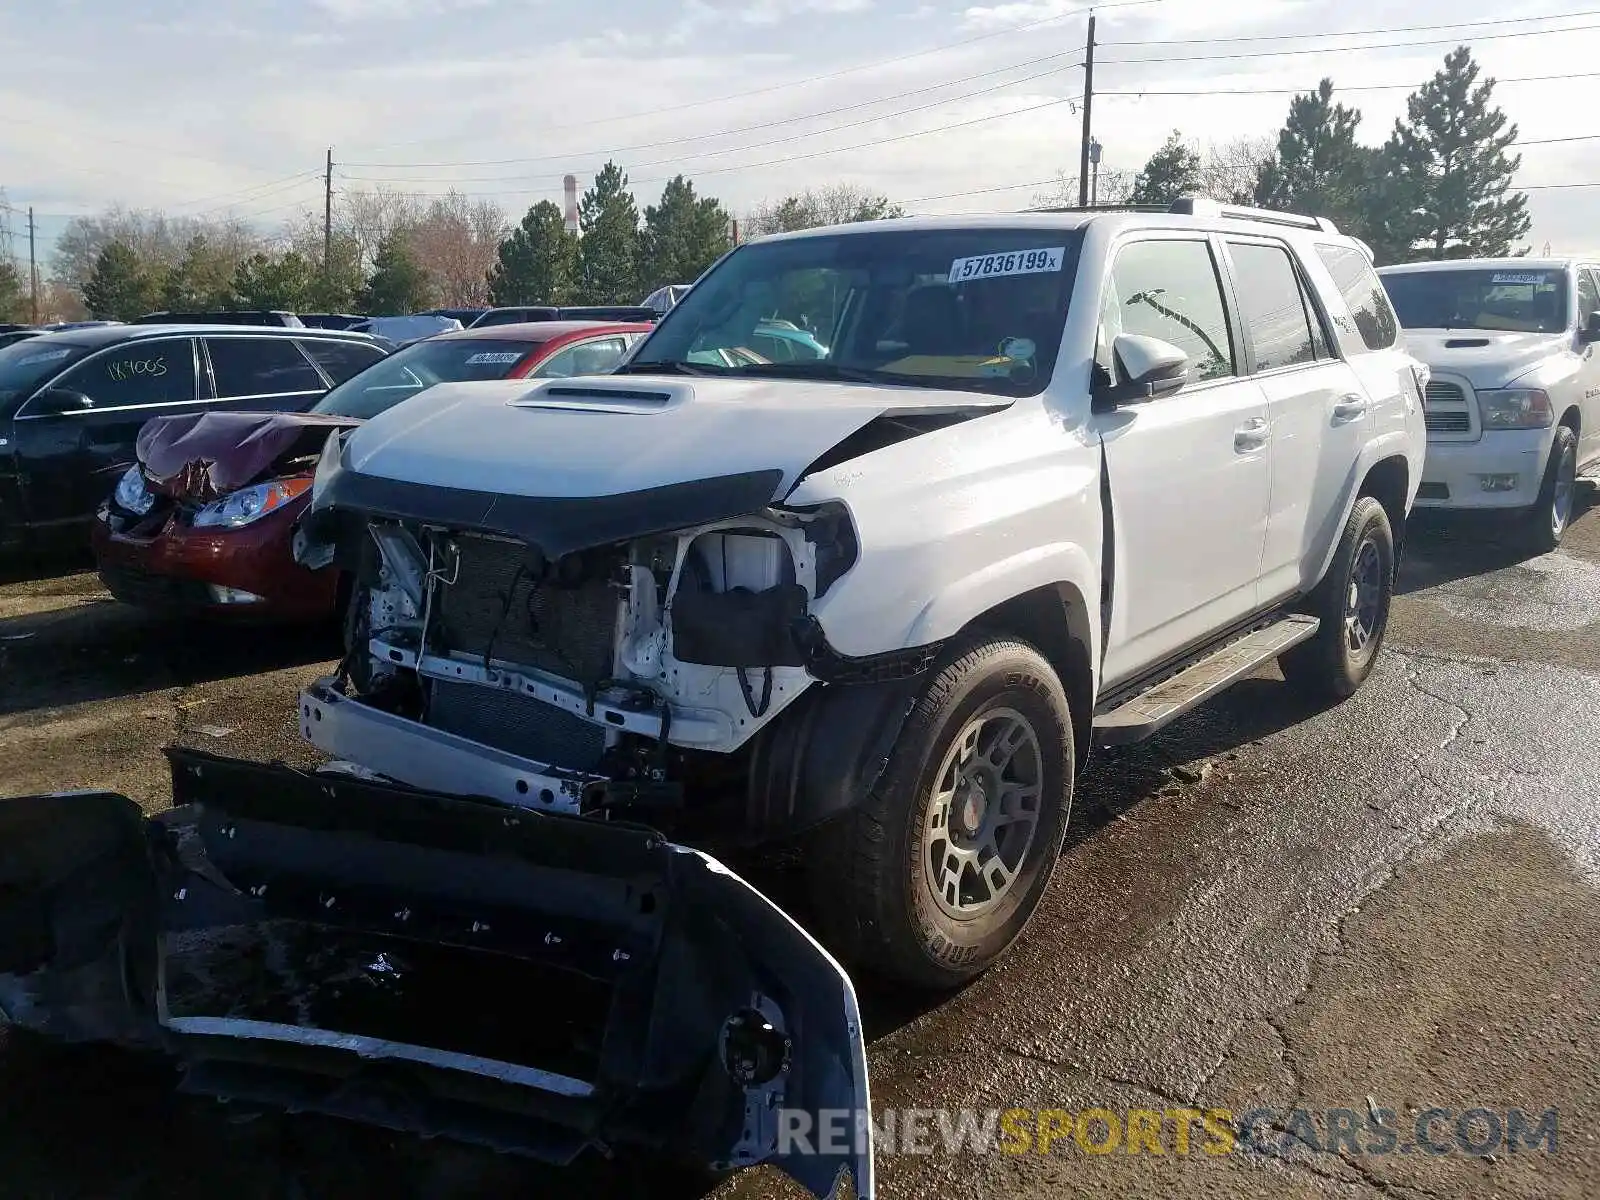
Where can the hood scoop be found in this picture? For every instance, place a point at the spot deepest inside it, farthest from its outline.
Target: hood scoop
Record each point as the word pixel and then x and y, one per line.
pixel 597 397
pixel 1465 343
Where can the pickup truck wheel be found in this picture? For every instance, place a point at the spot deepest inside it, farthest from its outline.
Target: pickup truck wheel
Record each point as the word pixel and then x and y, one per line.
pixel 940 867
pixel 1353 602
pixel 1547 520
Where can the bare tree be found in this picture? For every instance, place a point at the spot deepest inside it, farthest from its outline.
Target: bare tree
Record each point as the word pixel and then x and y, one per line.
pixel 159 240
pixel 835 204
pixel 455 242
pixel 1228 170
pixel 1109 187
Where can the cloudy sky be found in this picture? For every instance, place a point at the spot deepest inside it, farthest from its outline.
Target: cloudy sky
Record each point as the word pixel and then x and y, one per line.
pixel 942 106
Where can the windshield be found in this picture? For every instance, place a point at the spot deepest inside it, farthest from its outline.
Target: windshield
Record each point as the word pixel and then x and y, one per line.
pixel 407 372
pixel 1507 300
pixel 975 309
pixel 26 364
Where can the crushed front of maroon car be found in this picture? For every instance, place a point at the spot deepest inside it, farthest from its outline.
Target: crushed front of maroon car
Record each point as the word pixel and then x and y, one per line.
pixel 203 520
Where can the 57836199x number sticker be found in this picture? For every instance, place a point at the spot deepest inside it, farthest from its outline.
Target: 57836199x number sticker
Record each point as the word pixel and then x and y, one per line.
pixel 1007 262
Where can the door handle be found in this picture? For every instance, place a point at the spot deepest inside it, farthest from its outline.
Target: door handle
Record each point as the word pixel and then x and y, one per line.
pixel 1349 408
pixel 1252 435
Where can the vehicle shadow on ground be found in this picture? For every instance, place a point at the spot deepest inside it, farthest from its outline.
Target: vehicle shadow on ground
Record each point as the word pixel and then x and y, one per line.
pixel 99 649
pixel 31 567
pixel 1442 547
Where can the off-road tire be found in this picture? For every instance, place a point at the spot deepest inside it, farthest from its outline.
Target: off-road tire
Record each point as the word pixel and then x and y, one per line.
pixel 869 887
pixel 1326 666
pixel 1542 526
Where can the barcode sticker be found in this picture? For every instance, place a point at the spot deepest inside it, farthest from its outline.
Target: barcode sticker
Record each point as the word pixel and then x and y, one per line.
pixel 1007 262
pixel 498 358
pixel 1519 277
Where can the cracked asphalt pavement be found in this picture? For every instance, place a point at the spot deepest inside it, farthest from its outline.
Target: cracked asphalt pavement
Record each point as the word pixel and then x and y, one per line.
pixel 1389 905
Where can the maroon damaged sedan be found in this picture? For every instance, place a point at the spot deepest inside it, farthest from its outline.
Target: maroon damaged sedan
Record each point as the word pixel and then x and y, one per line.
pixel 203 521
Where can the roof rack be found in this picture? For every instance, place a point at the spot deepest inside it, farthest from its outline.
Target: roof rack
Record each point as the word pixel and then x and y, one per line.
pixel 1079 208
pixel 1204 206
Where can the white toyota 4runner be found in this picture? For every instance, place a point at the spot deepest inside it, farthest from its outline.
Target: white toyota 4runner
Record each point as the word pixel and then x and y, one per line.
pixel 1058 478
pixel 1513 400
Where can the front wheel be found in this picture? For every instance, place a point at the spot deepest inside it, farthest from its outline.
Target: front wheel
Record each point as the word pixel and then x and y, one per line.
pixel 1547 520
pixel 941 866
pixel 1352 601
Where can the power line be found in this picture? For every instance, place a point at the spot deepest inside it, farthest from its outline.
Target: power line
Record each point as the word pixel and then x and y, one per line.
pixel 240 195
pixel 1286 37
pixel 1183 58
pixel 1581 137
pixel 901 137
pixel 810 79
pixel 765 125
pixel 738 149
pixel 1297 91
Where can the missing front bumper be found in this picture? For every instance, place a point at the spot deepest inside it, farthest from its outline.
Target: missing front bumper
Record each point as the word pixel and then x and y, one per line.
pixel 527 981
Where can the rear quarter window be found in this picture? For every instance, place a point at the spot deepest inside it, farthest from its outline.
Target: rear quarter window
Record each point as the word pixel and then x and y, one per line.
pixel 340 360
pixel 1363 294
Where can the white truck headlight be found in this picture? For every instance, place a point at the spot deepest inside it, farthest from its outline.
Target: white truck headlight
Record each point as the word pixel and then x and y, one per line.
pixel 1515 408
pixel 131 494
pixel 250 504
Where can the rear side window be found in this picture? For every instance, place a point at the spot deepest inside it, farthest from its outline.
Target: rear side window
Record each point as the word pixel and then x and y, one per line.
pixel 142 372
pixel 1170 290
pixel 1363 295
pixel 261 367
pixel 1272 305
pixel 341 359
pixel 594 357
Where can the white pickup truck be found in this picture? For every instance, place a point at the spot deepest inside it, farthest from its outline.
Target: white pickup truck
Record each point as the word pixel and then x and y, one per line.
pixel 1513 401
pixel 1057 478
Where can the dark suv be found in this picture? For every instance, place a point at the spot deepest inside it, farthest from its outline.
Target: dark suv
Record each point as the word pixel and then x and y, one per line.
pixel 72 403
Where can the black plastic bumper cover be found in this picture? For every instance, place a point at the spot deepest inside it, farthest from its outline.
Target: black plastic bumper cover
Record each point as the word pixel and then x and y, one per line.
pixel 527 981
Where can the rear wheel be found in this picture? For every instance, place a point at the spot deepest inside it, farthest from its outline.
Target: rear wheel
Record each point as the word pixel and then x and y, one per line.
pixel 1546 522
pixel 943 863
pixel 1352 601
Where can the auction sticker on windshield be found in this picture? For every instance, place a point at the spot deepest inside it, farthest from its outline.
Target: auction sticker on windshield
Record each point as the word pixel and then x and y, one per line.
pixel 499 357
pixel 1519 277
pixel 1007 262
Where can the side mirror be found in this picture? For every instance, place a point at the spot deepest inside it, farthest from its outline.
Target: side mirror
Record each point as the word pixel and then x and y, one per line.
pixel 1150 368
pixel 1590 332
pixel 61 400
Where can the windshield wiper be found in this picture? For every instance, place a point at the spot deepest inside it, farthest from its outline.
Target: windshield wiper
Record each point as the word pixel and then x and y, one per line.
pixel 670 366
pixel 821 369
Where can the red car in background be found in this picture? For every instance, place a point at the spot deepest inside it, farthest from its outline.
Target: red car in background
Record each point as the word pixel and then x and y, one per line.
pixel 203 521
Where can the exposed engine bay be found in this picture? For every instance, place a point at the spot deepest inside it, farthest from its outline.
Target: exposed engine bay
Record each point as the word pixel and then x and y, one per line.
pixel 609 670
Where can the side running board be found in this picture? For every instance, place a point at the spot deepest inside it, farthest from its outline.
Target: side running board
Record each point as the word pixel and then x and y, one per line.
pixel 1150 711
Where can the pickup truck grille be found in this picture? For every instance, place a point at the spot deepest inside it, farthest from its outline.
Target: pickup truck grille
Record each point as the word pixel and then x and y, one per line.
pixel 1450 411
pixel 1448 393
pixel 1447 422
pixel 494 607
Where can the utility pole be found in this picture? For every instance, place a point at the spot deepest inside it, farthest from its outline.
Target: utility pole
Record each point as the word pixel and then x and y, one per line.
pixel 1088 105
pixel 327 219
pixel 33 269
pixel 1094 177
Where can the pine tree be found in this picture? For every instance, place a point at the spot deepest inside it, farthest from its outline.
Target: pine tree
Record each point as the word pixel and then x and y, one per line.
pixel 1449 193
pixel 121 286
pixel 682 236
pixel 538 263
pixel 609 222
pixel 201 280
pixel 1171 172
pixel 1318 168
pixel 273 281
pixel 399 286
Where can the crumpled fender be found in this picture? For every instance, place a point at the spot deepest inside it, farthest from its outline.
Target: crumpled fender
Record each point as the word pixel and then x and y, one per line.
pixel 531 982
pixel 202 456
